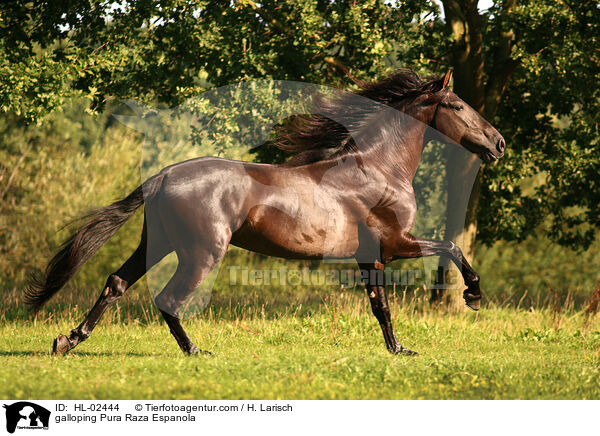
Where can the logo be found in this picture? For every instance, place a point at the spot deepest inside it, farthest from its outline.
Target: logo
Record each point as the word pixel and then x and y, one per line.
pixel 26 415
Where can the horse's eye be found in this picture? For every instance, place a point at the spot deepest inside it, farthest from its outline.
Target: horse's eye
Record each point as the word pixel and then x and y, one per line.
pixel 459 108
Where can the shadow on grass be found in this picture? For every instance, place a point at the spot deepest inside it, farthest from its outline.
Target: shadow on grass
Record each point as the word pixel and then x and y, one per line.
pixel 81 354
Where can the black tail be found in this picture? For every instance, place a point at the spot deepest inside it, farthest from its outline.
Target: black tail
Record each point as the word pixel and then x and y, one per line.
pixel 98 227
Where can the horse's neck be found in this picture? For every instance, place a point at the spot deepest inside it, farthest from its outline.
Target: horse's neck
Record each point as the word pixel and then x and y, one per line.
pixel 390 154
pixel 399 157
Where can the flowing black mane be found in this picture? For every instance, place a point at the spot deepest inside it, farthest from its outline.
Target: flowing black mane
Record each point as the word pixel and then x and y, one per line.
pixel 316 137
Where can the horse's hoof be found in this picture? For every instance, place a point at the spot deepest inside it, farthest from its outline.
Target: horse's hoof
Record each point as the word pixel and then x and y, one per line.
pixel 193 350
pixel 405 351
pixel 474 305
pixel 473 301
pixel 61 345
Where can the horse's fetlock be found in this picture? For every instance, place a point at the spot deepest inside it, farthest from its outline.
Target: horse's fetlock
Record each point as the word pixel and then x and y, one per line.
pixel 473 283
pixel 78 335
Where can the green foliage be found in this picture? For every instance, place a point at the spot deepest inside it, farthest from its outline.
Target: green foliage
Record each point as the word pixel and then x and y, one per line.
pixel 64 167
pixel 167 52
pixel 550 117
pixel 538 267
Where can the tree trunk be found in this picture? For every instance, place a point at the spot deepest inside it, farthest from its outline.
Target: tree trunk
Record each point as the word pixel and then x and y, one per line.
pixel 461 228
pixel 465 23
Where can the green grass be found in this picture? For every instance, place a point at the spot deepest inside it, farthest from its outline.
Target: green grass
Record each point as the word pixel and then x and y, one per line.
pixel 332 351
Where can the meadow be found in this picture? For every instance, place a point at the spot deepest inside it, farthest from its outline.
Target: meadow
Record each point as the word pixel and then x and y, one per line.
pixel 309 349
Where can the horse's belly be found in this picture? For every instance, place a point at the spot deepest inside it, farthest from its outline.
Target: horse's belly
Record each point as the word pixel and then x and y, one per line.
pixel 275 232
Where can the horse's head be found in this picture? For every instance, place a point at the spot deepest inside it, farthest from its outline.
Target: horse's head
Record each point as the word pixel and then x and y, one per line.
pixel 464 125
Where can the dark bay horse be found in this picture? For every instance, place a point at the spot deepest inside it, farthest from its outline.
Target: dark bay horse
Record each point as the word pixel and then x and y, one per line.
pixel 314 206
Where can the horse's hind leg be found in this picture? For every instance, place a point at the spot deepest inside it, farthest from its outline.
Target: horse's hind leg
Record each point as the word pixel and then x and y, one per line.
pixel 194 266
pixel 198 256
pixel 116 285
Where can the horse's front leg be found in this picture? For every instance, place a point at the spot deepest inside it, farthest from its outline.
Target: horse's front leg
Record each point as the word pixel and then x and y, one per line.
pixel 407 246
pixel 373 277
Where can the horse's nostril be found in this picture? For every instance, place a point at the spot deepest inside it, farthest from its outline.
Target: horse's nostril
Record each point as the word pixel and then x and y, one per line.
pixel 501 145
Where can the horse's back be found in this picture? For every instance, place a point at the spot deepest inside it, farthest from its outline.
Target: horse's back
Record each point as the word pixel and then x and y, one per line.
pixel 266 208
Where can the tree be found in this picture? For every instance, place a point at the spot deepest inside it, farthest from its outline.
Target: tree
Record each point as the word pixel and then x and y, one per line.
pixel 524 65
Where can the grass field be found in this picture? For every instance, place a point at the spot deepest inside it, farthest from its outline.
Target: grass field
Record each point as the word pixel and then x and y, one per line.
pixel 332 351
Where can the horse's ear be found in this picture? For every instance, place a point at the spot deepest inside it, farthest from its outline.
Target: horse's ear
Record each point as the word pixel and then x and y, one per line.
pixel 447 78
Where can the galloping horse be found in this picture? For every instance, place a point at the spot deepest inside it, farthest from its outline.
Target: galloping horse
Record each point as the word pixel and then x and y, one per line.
pixel 198 207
